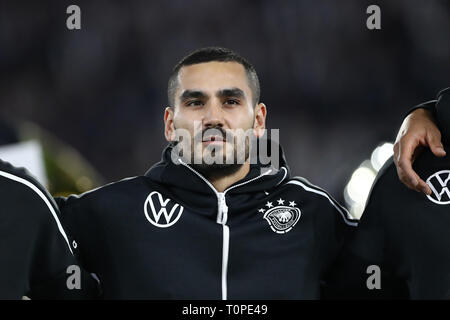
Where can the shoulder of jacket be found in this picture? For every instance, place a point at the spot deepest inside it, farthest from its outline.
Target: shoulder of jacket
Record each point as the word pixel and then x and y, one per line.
pixel 442 92
pixel 306 186
pixel 107 189
pixel 33 189
pixel 21 176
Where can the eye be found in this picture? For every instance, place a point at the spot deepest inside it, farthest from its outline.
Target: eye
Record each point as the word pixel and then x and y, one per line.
pixel 232 101
pixel 194 103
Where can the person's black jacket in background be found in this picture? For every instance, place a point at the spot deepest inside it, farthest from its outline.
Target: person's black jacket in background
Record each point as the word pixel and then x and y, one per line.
pixel 404 232
pixel 34 248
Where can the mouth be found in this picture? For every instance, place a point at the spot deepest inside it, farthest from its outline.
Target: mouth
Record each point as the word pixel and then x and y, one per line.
pixel 213 139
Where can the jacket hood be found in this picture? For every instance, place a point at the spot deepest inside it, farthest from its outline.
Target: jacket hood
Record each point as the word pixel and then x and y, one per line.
pixel 181 175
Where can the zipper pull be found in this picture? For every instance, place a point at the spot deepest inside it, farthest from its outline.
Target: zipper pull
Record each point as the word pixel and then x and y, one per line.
pixel 223 209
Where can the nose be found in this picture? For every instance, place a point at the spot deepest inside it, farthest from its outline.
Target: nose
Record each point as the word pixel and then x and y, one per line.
pixel 213 116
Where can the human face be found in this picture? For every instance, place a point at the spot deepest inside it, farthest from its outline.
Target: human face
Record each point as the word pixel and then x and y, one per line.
pixel 213 99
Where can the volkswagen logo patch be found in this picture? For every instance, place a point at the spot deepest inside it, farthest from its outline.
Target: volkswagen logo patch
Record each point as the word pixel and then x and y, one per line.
pixel 160 214
pixel 439 188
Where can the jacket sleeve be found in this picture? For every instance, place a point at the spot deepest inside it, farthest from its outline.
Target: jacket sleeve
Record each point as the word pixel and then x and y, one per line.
pixel 430 105
pixel 76 216
pixel 35 249
pixel 335 229
pixel 333 224
pixel 56 272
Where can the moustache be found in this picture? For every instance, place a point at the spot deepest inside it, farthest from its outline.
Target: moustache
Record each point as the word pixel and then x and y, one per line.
pixel 214 134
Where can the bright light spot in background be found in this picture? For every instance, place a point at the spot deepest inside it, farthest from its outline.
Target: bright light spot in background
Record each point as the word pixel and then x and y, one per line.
pixel 357 190
pixel 381 154
pixel 360 183
pixel 26 154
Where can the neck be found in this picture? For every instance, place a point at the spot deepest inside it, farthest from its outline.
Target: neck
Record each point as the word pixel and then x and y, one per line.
pixel 221 183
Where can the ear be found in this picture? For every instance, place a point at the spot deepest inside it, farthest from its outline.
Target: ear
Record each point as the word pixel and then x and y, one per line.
pixel 169 129
pixel 260 120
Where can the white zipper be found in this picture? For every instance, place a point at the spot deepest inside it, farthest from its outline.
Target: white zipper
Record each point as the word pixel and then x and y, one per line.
pixel 222 218
pixel 222 212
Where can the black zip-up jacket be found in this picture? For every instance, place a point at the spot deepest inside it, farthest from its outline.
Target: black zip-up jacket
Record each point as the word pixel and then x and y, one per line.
pixel 170 235
pixel 34 248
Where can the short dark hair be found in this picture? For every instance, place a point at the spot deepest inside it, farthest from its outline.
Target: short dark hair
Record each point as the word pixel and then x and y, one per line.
pixel 214 54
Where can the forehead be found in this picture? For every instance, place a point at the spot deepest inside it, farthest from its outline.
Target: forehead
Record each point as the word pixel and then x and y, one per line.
pixel 212 76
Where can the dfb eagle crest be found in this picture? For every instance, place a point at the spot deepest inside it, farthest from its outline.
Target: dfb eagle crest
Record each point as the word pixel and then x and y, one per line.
pixel 281 218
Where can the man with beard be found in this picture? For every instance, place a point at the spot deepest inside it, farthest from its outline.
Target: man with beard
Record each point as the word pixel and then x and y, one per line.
pixel 210 221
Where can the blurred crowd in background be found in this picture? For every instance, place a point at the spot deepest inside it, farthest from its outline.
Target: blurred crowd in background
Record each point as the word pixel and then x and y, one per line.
pixel 335 89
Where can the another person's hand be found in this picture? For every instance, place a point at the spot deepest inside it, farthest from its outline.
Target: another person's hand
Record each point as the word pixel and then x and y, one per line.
pixel 418 130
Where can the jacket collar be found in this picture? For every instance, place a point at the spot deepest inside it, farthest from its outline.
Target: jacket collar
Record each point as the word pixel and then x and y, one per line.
pixel 181 175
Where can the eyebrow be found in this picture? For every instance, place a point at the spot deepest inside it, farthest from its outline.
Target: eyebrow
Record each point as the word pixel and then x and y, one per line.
pixel 197 94
pixel 231 92
pixel 189 94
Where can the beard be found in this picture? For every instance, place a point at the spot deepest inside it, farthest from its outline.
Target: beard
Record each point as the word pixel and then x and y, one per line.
pixel 222 167
pixel 216 171
pixel 219 170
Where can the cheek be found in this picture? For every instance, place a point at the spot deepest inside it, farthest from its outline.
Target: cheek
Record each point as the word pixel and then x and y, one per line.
pixel 244 120
pixel 186 126
pixel 183 121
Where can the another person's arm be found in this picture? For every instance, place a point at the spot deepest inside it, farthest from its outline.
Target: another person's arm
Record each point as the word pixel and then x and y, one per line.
pixel 418 130
pixel 36 257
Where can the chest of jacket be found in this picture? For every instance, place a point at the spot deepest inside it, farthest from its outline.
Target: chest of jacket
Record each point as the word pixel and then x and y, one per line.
pixel 161 246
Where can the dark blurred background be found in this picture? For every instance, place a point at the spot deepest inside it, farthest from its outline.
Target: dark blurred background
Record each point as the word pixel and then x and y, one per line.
pixel 334 88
